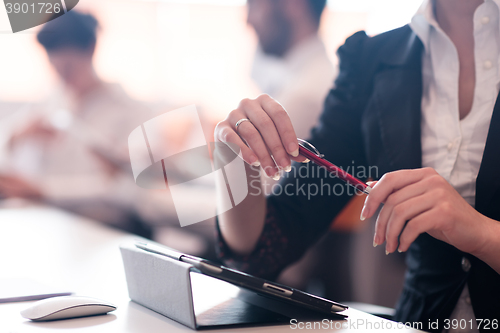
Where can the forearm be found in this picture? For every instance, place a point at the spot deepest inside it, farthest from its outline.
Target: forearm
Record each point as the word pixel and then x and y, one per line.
pixel 242 225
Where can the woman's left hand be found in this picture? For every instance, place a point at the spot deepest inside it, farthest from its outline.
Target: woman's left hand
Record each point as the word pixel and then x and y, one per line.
pixel 418 201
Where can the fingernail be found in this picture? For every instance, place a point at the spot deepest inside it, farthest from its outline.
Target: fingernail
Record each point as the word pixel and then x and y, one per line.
pixel 399 250
pixel 363 216
pixel 370 183
pixel 386 252
pixel 277 176
pixel 375 244
pixel 256 164
pixel 288 168
pixel 292 147
pixel 268 172
pixel 306 161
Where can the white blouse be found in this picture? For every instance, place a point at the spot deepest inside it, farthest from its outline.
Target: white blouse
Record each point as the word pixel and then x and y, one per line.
pixel 454 147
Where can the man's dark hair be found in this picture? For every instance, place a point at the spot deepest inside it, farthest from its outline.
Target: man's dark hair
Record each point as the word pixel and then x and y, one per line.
pixel 73 29
pixel 316 7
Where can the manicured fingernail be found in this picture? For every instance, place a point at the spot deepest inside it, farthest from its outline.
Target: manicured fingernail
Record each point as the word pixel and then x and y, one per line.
pixel 363 214
pixel 277 176
pixel 375 244
pixel 254 161
pixel 386 252
pixel 399 250
pixel 268 172
pixel 293 149
pixel 288 168
pixel 306 161
pixel 256 164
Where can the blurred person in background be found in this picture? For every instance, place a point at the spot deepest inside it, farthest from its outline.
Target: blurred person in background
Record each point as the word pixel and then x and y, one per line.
pixel 291 63
pixel 72 153
pixel 292 66
pixel 423 102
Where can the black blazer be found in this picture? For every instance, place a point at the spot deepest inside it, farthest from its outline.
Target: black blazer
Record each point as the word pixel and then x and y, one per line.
pixel 372 118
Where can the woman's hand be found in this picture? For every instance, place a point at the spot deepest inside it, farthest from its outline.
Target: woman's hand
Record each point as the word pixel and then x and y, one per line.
pixel 267 137
pixel 35 129
pixel 418 201
pixel 16 187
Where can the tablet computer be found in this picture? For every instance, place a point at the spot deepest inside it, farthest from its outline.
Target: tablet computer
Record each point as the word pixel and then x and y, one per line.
pixel 240 279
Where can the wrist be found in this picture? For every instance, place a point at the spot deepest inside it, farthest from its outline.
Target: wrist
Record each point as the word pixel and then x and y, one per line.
pixel 490 243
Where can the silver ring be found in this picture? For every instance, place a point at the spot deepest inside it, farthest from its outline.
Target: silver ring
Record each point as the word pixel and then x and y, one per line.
pixel 238 123
pixel 312 149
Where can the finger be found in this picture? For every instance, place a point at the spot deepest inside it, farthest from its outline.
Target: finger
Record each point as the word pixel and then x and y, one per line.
pixel 227 135
pixel 403 212
pixel 253 138
pixel 301 159
pixel 283 124
pixel 251 135
pixel 416 226
pixel 265 125
pixel 393 200
pixel 389 183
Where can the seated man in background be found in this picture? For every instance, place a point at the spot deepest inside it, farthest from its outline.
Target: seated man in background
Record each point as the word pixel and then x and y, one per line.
pixel 292 66
pixel 291 63
pixel 73 153
pixel 423 102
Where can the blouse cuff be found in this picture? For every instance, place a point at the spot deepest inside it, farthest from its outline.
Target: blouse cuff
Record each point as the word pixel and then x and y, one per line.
pixel 269 256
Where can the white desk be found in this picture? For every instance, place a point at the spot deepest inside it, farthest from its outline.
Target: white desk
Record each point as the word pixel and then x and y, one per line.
pixel 82 256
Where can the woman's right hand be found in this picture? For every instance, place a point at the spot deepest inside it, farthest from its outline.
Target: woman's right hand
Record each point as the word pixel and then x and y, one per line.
pixel 268 135
pixel 12 186
pixel 35 129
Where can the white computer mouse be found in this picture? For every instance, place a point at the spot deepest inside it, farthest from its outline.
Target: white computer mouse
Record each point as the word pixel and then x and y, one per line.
pixel 65 307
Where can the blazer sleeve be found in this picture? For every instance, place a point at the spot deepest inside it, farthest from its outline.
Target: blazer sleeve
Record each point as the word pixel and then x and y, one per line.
pixel 308 198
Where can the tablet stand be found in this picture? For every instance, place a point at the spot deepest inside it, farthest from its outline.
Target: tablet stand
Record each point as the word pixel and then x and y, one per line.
pixel 164 285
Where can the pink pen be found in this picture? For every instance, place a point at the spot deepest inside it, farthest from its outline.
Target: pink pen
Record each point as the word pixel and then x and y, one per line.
pixel 308 150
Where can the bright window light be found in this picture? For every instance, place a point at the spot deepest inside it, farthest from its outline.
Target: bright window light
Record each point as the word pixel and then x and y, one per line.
pixel 205 2
pixel 383 15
